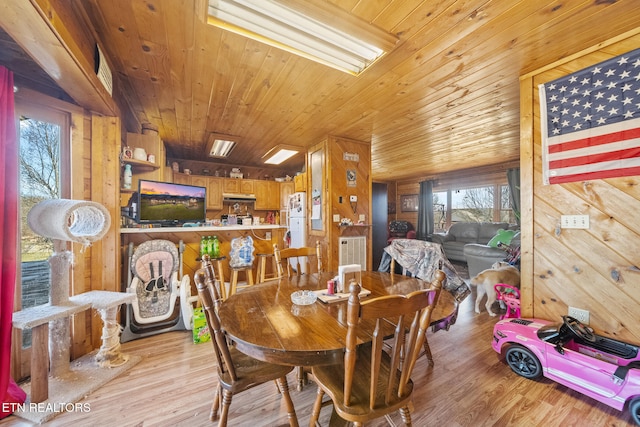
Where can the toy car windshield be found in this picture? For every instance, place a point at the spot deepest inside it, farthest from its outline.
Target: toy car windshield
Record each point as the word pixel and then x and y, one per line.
pixel 551 333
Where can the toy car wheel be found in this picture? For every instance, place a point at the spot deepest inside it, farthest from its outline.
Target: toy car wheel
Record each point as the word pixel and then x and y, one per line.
pixel 523 362
pixel 634 410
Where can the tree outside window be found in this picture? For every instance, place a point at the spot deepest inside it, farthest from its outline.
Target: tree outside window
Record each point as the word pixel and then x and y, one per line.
pixel 472 205
pixel 506 212
pixel 39 179
pixel 439 211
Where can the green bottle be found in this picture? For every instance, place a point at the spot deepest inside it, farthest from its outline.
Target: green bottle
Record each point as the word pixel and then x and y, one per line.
pixel 203 246
pixel 209 246
pixel 215 248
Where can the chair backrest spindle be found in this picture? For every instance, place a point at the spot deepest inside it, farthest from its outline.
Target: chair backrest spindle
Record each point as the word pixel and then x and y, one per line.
pixel 210 298
pixel 411 313
pixel 301 257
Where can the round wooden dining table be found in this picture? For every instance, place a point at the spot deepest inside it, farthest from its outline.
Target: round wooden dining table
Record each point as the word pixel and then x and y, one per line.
pixel 264 323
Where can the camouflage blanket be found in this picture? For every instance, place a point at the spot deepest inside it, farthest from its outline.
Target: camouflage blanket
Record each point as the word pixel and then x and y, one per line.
pixel 422 259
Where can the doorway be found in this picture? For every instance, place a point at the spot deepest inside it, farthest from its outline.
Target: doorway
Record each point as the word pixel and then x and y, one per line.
pixel 379 219
pixel 43 135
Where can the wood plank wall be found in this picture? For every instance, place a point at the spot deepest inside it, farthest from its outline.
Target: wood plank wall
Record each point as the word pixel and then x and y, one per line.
pixel 336 195
pixel 594 269
pixel 81 342
pixel 341 189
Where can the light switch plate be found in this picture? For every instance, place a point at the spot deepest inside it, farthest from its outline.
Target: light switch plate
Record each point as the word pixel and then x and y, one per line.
pixel 574 221
pixel 336 217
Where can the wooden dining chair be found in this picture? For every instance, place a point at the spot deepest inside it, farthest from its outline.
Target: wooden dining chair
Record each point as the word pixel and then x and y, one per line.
pixel 427 349
pixel 296 261
pixel 371 381
pixel 237 372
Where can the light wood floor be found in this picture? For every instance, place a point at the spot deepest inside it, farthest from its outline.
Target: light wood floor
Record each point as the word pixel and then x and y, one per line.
pixel 469 386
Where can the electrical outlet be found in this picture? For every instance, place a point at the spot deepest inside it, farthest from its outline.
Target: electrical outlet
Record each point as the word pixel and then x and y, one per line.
pixel 353 198
pixel 574 221
pixel 336 217
pixel 579 314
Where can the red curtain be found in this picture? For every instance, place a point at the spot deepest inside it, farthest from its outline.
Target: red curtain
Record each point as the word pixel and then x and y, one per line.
pixel 9 391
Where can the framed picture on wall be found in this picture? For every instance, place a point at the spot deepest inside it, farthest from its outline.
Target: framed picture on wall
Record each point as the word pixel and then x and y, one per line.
pixel 409 203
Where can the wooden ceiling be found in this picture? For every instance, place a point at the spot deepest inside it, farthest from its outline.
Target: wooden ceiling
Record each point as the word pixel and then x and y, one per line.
pixel 446 98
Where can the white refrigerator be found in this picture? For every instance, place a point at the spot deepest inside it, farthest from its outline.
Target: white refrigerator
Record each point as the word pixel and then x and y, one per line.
pixel 297 217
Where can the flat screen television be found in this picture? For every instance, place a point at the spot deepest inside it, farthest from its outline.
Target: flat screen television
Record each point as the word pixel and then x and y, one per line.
pixel 167 204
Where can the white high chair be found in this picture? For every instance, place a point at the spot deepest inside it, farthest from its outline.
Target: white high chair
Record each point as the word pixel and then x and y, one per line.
pixel 163 294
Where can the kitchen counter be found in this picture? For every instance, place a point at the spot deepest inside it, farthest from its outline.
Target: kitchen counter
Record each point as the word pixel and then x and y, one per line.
pixel 200 229
pixel 264 236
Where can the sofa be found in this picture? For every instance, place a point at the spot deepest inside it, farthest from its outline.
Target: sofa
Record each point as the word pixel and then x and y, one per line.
pixel 481 257
pixel 468 242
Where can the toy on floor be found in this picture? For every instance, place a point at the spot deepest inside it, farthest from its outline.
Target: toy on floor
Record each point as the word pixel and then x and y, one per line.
pixel 571 354
pixel 510 295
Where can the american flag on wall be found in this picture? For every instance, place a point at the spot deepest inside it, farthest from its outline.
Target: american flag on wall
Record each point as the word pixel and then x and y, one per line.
pixel 591 122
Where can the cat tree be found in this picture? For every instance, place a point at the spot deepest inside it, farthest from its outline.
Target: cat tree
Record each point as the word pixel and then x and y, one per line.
pixel 52 373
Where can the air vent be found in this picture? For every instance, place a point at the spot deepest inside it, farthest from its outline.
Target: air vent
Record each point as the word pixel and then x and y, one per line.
pixel 103 71
pixel 353 250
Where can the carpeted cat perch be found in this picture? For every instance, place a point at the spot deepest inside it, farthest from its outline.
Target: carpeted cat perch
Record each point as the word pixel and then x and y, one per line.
pixel 81 222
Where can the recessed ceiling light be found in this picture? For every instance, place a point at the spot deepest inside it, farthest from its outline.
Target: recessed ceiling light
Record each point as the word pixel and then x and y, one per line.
pixel 322 31
pixel 220 146
pixel 279 154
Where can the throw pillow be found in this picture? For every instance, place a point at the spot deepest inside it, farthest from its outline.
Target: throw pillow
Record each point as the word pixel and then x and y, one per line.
pixel 502 236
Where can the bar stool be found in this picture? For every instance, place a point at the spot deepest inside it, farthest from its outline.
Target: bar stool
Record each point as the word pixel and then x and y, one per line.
pixel 241 260
pixel 261 275
pixel 248 271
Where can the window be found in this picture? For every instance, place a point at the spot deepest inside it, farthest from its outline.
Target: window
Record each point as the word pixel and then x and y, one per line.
pixel 506 212
pixel 439 211
pixel 490 201
pixel 42 133
pixel 472 204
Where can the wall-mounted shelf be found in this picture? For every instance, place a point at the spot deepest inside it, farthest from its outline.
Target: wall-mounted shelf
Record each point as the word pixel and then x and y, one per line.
pixel 343 228
pixel 141 164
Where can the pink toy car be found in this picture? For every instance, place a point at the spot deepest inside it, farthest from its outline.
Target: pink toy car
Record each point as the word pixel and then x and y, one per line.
pixel 571 354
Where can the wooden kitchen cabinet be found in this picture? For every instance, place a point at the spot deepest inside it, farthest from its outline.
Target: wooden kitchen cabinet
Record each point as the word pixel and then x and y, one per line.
pixel 286 190
pixel 267 195
pixel 214 190
pixel 300 182
pixel 181 178
pixel 235 185
pixel 200 181
pixel 214 193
